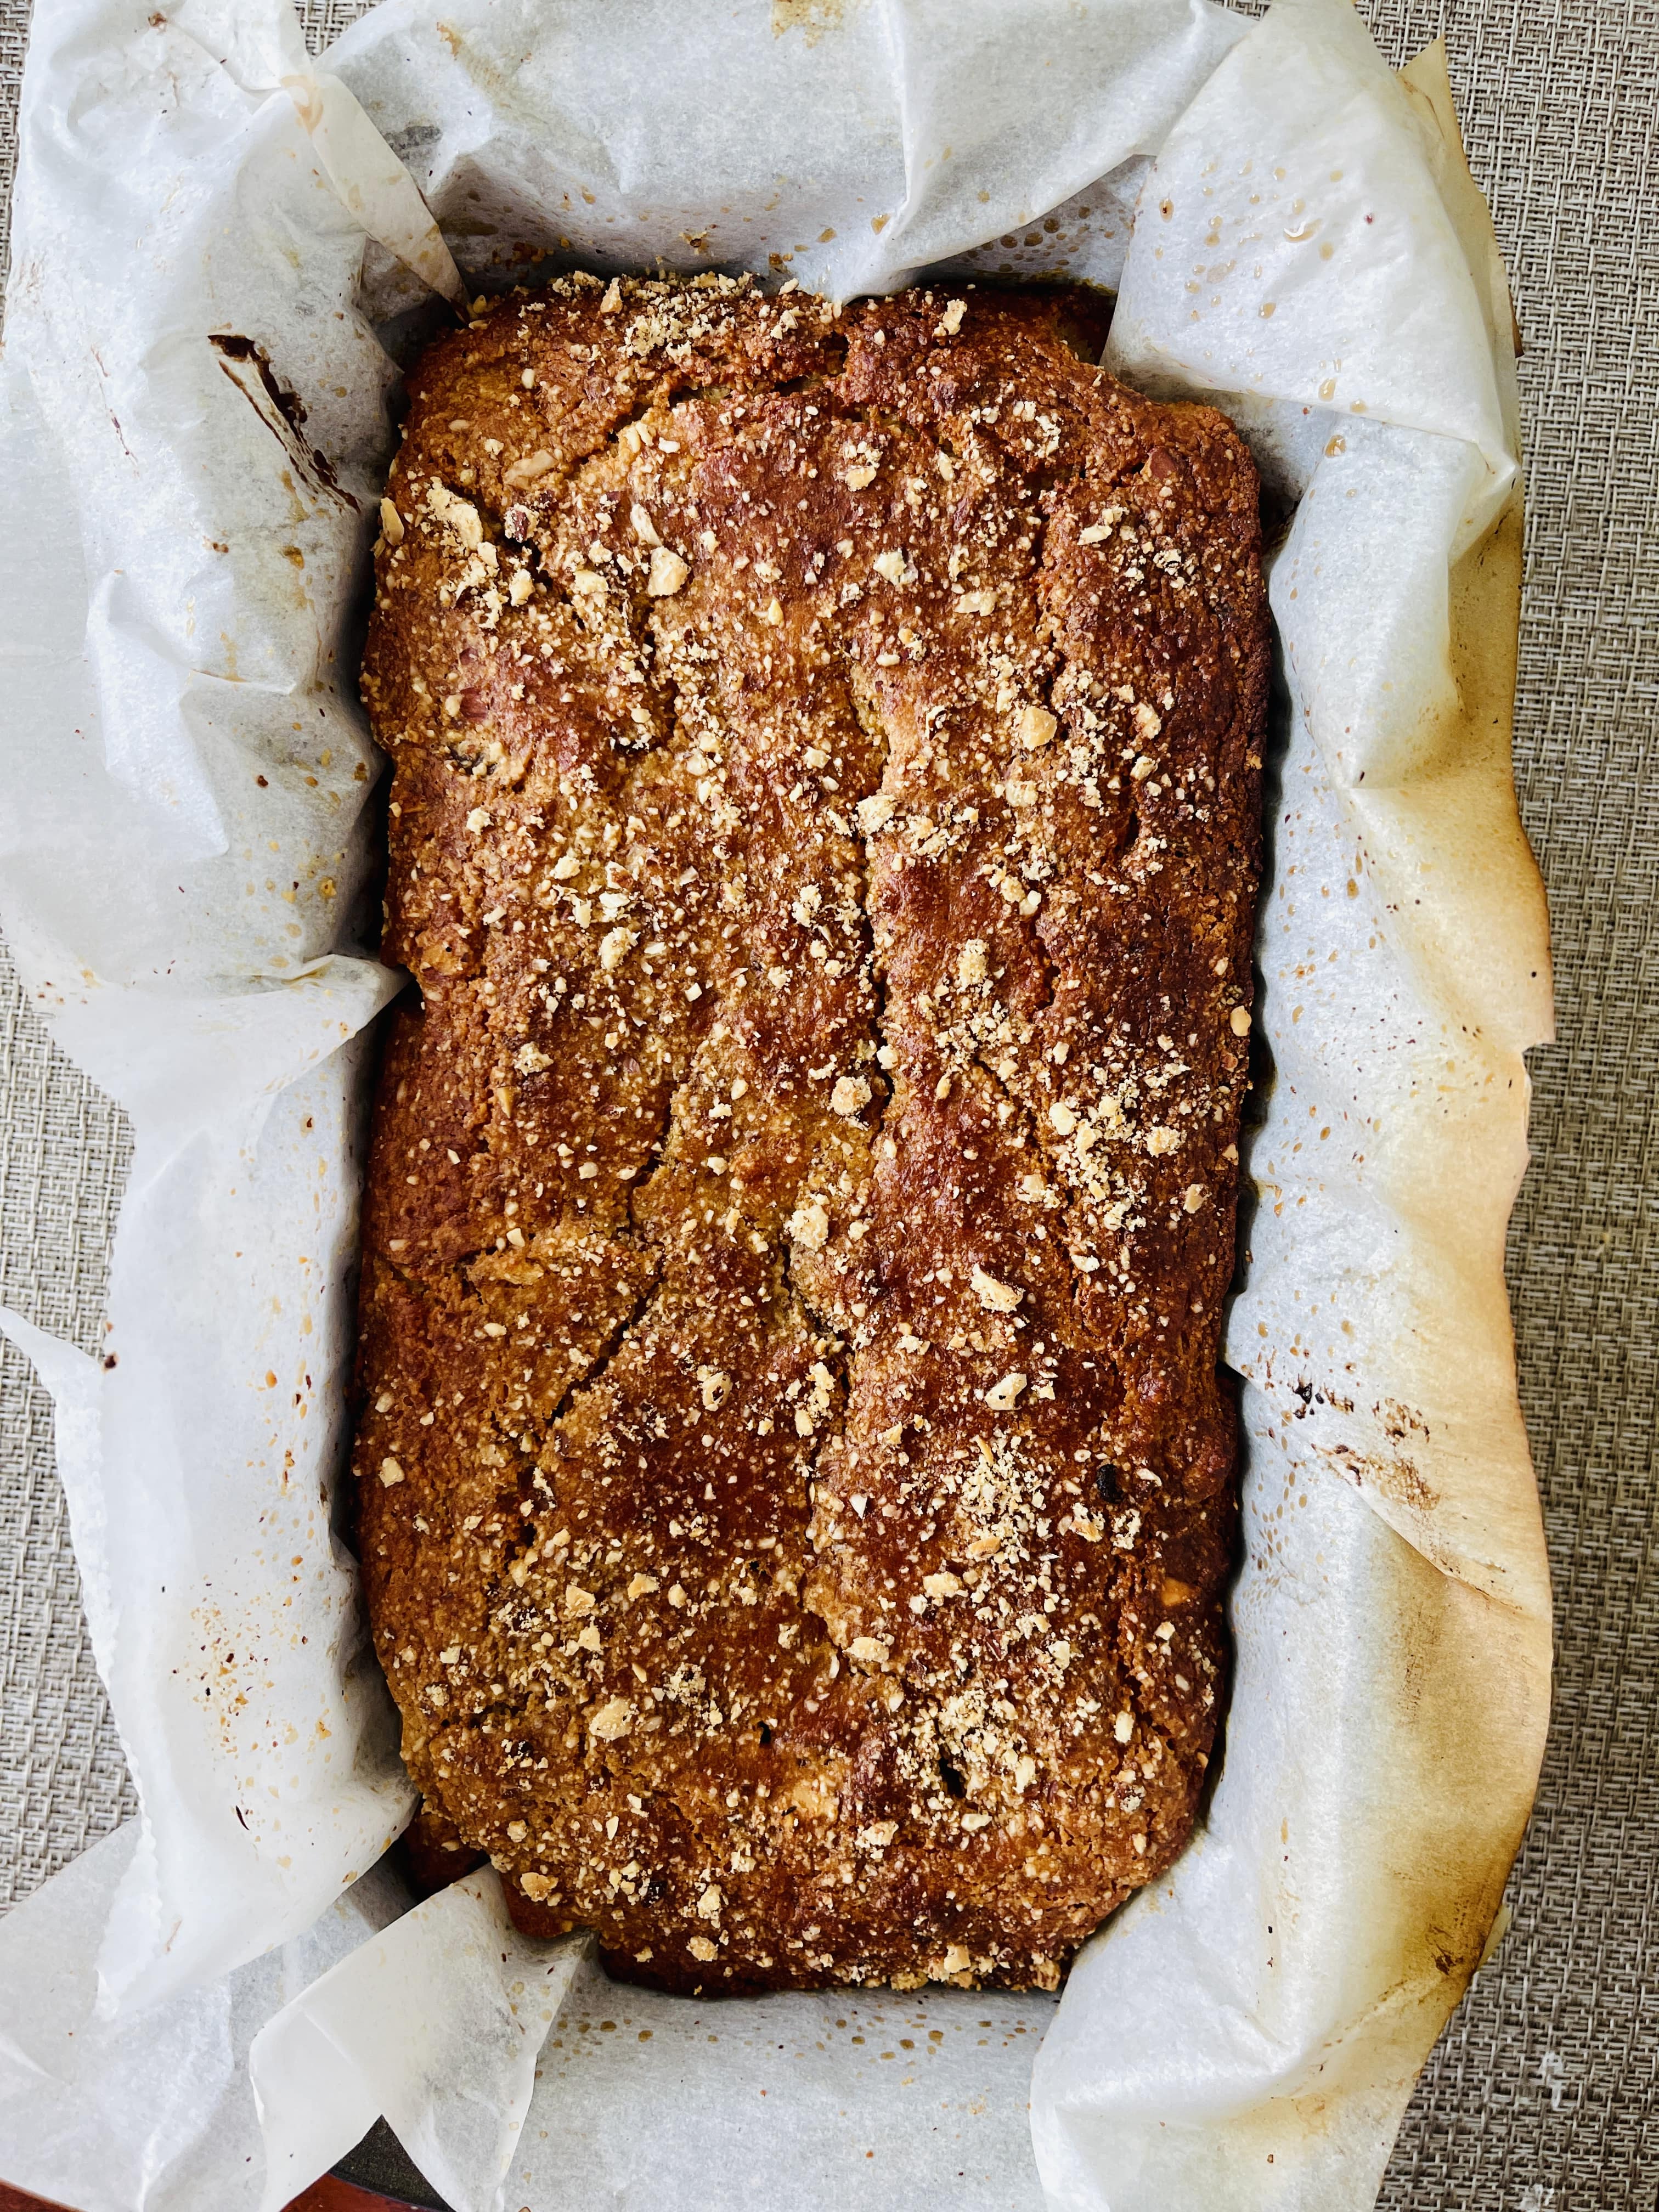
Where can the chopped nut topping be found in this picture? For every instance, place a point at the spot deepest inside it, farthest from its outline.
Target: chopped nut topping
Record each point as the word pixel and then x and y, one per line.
pixel 809 1224
pixel 668 573
pixel 994 1297
pixel 528 469
pixel 613 1719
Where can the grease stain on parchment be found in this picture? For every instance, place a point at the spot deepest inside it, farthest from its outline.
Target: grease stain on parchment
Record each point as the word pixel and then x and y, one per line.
pixel 812 18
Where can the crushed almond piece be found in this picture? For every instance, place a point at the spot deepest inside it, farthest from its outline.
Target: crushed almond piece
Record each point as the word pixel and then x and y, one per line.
pixel 809 1224
pixel 613 1719
pixel 668 573
pixel 994 1297
pixel 528 469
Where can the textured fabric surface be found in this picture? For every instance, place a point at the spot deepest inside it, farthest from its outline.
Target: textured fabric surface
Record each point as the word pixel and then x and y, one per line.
pixel 1543 2095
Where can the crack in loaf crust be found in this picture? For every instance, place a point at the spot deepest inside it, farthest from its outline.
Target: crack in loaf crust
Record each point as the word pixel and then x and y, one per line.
pixel 795 1484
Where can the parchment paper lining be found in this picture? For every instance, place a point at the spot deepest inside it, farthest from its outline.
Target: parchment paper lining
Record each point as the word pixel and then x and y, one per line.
pixel 1402 1728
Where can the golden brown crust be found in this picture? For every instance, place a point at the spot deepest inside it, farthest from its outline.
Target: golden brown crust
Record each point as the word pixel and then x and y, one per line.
pixel 795 1483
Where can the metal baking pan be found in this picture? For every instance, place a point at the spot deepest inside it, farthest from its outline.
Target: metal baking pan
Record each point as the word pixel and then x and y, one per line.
pixel 381 2164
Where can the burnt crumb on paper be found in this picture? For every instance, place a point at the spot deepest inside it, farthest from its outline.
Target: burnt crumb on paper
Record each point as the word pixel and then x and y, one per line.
pixel 247 365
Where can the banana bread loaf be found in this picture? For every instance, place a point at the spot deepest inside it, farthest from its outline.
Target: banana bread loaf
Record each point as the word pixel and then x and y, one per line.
pixel 796 1484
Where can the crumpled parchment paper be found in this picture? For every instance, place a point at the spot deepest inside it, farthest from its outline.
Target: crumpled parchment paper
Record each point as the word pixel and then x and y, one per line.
pixel 212 237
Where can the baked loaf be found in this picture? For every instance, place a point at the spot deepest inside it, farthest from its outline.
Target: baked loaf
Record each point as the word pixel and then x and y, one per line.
pixel 795 1483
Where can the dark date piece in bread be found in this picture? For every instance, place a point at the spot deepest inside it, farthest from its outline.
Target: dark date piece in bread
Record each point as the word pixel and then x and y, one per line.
pixel 795 1482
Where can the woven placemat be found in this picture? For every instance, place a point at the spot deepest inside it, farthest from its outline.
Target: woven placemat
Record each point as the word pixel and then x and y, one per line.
pixel 1543 2095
